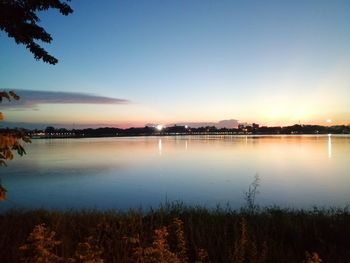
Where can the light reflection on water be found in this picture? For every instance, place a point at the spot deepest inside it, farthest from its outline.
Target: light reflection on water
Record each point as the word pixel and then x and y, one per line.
pixel 329 146
pixel 160 146
pixel 295 171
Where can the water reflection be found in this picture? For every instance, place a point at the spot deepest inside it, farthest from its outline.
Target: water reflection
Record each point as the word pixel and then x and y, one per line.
pixel 329 146
pixel 160 146
pixel 124 172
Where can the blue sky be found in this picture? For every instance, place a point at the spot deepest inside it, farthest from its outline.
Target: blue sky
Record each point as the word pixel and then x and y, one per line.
pixel 271 62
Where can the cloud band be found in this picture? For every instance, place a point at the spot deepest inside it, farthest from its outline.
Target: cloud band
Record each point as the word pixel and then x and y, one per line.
pixel 33 98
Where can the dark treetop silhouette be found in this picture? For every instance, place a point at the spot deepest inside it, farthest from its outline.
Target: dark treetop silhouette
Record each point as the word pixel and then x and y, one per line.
pixel 18 18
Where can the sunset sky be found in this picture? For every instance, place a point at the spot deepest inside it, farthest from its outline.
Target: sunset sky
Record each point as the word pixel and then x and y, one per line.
pixel 128 63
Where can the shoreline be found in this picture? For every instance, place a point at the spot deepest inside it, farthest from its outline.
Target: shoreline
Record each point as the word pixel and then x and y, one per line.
pixel 199 135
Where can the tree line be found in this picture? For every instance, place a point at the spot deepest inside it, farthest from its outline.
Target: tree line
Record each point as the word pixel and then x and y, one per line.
pixel 52 132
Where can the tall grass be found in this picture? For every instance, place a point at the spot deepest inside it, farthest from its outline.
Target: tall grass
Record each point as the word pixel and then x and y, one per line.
pixel 177 233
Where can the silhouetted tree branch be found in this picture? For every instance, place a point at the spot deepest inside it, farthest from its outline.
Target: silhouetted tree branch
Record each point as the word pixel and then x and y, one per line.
pixel 18 18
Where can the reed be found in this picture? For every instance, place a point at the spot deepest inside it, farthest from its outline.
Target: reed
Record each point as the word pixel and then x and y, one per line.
pixel 178 233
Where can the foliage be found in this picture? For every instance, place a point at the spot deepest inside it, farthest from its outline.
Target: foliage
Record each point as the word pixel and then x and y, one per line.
pixel 10 140
pixel 2 193
pixel 181 248
pixel 8 95
pixel 19 19
pixel 160 250
pixel 87 252
pixel 246 248
pixel 312 257
pixel 40 246
pixel 219 235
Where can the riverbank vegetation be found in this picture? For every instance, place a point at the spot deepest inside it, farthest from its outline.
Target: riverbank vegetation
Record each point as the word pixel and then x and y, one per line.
pixel 176 233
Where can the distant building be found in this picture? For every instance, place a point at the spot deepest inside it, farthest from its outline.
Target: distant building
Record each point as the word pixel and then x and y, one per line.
pixel 255 126
pixel 241 126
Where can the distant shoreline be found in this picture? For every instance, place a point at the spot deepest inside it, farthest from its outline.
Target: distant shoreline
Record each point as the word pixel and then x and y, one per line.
pixel 160 130
pixel 192 135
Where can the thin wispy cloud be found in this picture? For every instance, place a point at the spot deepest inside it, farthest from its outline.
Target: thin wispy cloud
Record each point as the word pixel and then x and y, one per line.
pixel 33 98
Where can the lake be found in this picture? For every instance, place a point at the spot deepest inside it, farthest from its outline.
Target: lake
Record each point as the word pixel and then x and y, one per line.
pixel 122 173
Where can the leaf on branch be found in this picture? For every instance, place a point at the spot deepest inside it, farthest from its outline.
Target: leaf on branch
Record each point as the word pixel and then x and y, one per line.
pixel 20 150
pixel 11 139
pixel 14 95
pixel 8 155
pixel 8 95
pixel 26 139
pixel 18 18
pixel 2 191
pixel 4 94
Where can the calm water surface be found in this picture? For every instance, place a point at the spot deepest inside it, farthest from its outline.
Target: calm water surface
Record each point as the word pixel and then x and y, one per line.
pixel 122 173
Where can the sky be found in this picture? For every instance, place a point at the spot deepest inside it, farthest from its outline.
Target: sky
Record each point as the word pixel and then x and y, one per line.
pixel 128 63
